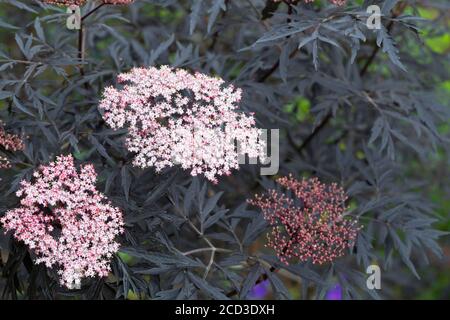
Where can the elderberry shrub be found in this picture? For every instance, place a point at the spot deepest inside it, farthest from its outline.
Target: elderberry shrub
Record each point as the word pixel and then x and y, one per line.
pixel 130 133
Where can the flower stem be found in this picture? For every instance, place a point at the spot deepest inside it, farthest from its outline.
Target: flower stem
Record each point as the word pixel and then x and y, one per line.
pixel 81 38
pixel 92 11
pixel 81 48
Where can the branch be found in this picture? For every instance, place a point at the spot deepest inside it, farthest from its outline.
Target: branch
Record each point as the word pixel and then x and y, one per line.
pixel 205 250
pixel 269 9
pixel 81 44
pixel 92 11
pixel 81 48
pixel 401 7
pixel 263 77
pixel 211 248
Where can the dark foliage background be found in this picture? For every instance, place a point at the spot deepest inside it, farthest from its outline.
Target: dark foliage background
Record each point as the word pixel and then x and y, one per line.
pixel 367 109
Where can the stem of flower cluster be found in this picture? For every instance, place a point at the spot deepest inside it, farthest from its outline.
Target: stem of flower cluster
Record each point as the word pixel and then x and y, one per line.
pixel 81 48
pixel 211 247
pixel 81 38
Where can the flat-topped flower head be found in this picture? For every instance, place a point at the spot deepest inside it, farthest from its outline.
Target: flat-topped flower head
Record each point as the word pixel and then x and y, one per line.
pixel 310 225
pixel 175 117
pixel 66 222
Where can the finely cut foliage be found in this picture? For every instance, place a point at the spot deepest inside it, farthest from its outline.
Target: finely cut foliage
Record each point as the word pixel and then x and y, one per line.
pixel 122 147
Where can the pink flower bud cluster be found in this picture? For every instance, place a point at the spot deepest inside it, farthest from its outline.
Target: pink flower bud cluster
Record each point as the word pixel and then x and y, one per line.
pixel 66 222
pixel 9 142
pixel 175 117
pixel 309 226
pixel 82 2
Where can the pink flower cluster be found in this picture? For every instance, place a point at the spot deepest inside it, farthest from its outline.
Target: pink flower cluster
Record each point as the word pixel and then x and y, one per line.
pixel 336 2
pixel 82 2
pixel 175 117
pixel 310 226
pixel 66 222
pixel 9 142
